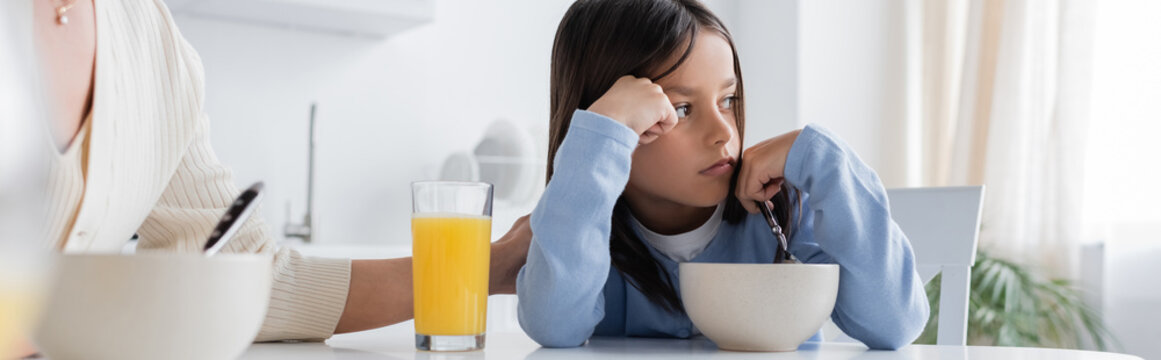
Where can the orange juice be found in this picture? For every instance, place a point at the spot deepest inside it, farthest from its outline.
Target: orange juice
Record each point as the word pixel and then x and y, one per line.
pixel 17 311
pixel 450 255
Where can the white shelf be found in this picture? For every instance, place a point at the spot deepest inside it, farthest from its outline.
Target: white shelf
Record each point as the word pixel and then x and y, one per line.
pixel 364 18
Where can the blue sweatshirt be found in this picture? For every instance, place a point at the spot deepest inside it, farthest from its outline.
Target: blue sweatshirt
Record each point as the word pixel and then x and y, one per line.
pixel 568 290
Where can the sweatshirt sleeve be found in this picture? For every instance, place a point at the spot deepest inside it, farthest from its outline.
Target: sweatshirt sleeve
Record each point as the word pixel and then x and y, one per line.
pixel 560 286
pixel 845 219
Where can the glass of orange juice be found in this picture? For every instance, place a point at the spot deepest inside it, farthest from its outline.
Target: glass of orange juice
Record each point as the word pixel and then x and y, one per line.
pixel 451 228
pixel 24 158
pixel 20 301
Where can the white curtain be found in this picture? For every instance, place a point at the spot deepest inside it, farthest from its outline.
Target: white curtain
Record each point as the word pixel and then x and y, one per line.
pixel 1004 104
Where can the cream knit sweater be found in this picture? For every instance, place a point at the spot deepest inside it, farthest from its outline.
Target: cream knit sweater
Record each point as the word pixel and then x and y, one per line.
pixel 151 171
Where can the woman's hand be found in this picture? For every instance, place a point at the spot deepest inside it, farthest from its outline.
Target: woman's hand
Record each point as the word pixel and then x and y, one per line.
pixel 639 104
pixel 381 291
pixel 763 169
pixel 508 256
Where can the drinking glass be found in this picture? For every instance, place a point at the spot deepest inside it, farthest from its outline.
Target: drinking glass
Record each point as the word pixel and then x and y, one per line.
pixel 24 147
pixel 451 226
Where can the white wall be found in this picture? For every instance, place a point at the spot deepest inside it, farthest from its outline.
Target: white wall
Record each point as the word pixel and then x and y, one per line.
pixel 389 110
pixel 851 77
pixel 766 34
pixel 840 64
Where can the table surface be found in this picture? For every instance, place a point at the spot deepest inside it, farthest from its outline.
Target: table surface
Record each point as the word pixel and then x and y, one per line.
pixel 398 342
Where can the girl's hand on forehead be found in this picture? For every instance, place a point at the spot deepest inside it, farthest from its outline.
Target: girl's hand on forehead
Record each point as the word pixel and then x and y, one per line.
pixel 639 104
pixel 762 171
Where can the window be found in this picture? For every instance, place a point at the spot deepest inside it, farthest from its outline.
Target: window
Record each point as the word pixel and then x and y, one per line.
pixel 1123 161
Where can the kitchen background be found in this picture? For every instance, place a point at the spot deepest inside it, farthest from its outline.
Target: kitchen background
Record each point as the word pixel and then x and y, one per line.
pixel 403 85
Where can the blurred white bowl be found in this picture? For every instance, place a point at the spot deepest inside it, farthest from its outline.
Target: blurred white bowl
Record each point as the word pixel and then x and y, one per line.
pixel 758 307
pixel 155 306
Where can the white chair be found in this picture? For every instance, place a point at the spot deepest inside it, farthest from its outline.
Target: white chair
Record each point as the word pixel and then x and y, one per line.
pixel 943 225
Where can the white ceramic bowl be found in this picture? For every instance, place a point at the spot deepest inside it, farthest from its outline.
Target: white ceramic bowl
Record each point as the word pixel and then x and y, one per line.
pixel 758 307
pixel 155 306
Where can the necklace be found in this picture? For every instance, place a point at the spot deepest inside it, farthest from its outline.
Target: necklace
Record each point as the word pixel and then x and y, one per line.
pixel 61 9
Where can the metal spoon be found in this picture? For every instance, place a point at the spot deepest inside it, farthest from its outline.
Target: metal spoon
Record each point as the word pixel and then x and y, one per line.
pixel 233 219
pixel 782 254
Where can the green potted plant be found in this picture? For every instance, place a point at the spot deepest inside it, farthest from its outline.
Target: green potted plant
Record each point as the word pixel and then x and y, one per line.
pixel 1011 305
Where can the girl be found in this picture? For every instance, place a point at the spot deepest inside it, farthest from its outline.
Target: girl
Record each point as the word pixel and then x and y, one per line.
pixel 646 170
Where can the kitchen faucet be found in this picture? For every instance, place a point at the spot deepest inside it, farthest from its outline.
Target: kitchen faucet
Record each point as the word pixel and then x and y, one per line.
pixel 305 229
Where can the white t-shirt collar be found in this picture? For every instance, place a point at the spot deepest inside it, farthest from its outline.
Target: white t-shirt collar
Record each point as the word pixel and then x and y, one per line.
pixel 685 246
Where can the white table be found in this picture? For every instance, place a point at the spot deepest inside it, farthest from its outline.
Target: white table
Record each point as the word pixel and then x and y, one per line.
pixel 398 342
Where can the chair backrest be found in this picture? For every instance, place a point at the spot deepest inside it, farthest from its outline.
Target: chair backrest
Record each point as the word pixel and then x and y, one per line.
pixel 943 225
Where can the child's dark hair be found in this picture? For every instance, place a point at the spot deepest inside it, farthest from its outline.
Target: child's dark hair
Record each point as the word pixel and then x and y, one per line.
pixel 597 42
